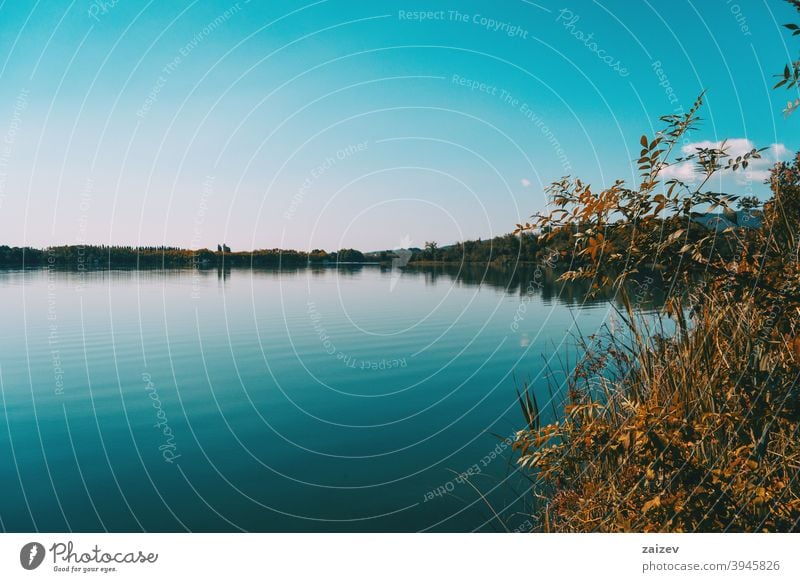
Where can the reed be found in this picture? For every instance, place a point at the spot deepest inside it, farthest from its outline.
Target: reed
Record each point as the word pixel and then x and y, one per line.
pixel 691 431
pixel 687 421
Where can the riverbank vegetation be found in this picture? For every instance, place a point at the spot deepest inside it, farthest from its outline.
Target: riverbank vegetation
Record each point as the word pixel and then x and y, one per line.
pixel 688 422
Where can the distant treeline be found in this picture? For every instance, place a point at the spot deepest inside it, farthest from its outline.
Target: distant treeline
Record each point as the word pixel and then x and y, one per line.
pixel 508 248
pixel 501 250
pixel 130 257
pixel 529 248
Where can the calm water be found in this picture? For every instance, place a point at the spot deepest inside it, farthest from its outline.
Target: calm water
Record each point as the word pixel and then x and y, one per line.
pixel 307 400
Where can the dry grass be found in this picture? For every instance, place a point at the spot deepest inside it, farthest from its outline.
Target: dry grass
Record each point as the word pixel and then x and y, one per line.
pixel 694 430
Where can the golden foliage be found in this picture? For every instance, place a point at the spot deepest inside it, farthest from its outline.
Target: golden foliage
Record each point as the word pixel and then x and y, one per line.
pixel 689 424
pixel 699 433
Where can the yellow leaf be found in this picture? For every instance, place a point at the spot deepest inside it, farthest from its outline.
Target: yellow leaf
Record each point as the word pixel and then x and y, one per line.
pixel 654 502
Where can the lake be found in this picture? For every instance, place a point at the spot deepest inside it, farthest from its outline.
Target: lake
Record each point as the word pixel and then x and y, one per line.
pixel 318 399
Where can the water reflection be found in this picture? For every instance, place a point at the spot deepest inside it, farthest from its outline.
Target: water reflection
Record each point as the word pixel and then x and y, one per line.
pixel 534 280
pixel 531 280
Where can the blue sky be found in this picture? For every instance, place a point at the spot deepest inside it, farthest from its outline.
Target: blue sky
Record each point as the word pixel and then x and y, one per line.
pixel 337 123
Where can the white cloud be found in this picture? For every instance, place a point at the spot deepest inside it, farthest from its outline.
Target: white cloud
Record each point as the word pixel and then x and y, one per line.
pixel 757 170
pixel 684 172
pixel 525 182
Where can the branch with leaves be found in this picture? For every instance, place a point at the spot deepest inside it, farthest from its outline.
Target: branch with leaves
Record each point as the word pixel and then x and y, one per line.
pixel 791 72
pixel 620 231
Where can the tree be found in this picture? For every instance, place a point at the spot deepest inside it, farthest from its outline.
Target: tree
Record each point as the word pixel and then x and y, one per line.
pixel 431 250
pixel 350 256
pixel 749 203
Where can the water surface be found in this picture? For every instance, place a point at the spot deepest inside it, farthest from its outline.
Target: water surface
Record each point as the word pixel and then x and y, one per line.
pixel 326 399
